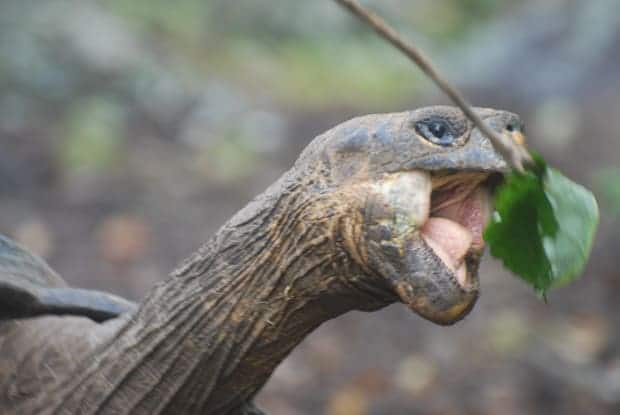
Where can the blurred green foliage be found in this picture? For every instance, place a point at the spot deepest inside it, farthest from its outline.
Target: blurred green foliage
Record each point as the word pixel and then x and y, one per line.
pixel 92 135
pixel 82 70
pixel 307 54
pixel 229 158
pixel 313 75
pixel 184 21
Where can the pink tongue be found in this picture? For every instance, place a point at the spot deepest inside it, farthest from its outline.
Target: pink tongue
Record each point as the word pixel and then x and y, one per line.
pixel 452 240
pixel 457 228
pixel 472 213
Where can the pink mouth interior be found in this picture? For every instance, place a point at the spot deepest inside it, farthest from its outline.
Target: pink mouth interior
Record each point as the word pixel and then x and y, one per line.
pixel 458 217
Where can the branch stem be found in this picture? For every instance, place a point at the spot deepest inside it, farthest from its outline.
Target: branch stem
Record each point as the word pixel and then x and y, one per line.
pixel 515 155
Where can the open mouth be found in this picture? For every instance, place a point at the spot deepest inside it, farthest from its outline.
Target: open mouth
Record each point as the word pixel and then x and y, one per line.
pixel 430 229
pixel 460 208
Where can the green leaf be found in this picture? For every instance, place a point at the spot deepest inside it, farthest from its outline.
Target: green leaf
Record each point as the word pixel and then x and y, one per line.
pixel 543 227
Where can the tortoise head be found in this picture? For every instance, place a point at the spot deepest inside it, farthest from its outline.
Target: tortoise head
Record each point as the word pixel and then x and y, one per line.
pixel 413 189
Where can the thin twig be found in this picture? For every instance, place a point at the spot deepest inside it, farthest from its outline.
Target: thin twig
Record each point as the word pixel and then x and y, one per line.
pixel 515 155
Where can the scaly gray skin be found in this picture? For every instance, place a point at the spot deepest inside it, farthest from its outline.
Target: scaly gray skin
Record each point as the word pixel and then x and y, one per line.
pixel 340 231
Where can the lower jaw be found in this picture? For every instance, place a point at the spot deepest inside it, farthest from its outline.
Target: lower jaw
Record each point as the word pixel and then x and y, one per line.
pixel 461 309
pixel 470 266
pixel 446 309
pixel 445 316
pixel 466 271
pixel 458 311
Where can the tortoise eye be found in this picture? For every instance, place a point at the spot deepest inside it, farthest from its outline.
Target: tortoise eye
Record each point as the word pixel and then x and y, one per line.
pixel 436 131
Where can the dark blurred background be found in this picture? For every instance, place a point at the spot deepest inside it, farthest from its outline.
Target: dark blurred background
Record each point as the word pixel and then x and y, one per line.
pixel 131 130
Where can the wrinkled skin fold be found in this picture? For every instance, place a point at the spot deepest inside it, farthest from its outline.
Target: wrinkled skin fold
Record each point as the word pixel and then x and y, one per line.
pixel 353 225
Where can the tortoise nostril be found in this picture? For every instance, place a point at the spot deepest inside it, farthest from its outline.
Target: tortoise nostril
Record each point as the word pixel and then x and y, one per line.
pixel 515 129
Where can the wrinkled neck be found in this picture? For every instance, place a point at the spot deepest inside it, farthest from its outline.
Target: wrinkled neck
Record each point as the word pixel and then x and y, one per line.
pixel 207 339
